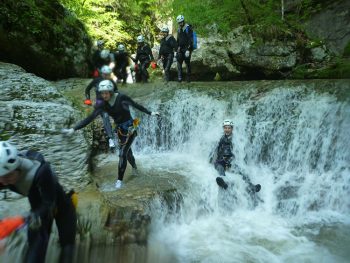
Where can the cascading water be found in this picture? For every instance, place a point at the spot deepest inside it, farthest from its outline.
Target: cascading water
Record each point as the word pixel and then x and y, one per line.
pixel 292 140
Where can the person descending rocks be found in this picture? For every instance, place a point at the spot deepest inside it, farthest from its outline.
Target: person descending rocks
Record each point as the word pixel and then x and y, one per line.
pixel 222 158
pixel 106 73
pixel 185 47
pixel 122 61
pixel 168 46
pixel 144 56
pixel 29 174
pixel 117 106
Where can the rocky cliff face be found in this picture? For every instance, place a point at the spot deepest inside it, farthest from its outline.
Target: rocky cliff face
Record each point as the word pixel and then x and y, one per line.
pixel 243 54
pixel 43 38
pixel 332 24
pixel 32 113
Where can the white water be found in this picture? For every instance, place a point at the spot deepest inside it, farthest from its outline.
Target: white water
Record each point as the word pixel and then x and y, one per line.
pixel 292 141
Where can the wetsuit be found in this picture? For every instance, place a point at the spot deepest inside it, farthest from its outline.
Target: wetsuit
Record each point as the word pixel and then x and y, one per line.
pixel 185 43
pixel 118 108
pixel 145 56
pixel 223 154
pixel 48 201
pixel 166 52
pixel 122 61
pixel 94 84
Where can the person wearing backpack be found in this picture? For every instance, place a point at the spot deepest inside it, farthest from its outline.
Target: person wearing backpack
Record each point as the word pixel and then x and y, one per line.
pixel 185 47
pixel 27 173
pixel 168 45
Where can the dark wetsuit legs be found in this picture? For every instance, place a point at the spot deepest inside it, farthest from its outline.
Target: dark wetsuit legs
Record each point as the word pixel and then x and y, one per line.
pixel 167 62
pixel 65 218
pixel 107 124
pixel 144 73
pixel 180 59
pixel 125 154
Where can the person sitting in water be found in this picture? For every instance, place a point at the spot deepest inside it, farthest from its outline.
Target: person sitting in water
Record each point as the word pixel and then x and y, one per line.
pixel 27 173
pixel 222 158
pixel 117 106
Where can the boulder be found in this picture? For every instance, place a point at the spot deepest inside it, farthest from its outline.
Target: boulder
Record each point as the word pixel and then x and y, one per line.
pixel 43 38
pixel 32 114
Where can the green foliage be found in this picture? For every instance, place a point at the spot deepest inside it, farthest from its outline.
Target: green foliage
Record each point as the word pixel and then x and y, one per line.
pixel 339 69
pixel 119 21
pixel 346 52
pixel 228 14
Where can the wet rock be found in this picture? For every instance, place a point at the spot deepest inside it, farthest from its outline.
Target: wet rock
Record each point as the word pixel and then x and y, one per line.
pixel 32 114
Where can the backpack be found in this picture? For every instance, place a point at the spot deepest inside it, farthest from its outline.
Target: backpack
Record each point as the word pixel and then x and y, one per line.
pixel 195 46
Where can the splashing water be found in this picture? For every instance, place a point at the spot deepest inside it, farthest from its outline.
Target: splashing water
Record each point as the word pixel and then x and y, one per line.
pixel 291 140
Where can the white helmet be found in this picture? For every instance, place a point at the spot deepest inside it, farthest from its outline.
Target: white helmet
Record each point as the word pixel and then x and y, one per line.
pixel 227 123
pixel 180 18
pixel 121 47
pixel 9 160
pixel 100 43
pixel 140 39
pixel 106 70
pixel 105 85
pixel 104 53
pixel 165 29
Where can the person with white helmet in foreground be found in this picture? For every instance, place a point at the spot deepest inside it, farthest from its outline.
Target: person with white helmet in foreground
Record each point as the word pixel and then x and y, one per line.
pixel 27 173
pixel 106 73
pixel 167 48
pixel 117 106
pixel 222 158
pixel 122 61
pixel 145 56
pixel 185 47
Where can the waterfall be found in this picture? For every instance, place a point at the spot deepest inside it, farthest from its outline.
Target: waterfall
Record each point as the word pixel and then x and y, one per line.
pixel 292 139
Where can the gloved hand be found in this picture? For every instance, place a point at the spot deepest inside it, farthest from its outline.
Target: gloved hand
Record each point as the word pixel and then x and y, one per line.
pixel 112 65
pixel 155 113
pixel 34 221
pixel 187 53
pixel 66 131
pixel 87 102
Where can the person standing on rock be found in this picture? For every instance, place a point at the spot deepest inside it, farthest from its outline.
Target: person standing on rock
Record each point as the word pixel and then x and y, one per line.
pixel 222 158
pixel 185 47
pixel 145 56
pixel 117 106
pixel 168 46
pixel 106 73
pixel 27 173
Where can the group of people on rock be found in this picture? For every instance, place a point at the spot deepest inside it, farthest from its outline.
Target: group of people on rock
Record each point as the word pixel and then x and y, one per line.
pixel 180 48
pixel 29 174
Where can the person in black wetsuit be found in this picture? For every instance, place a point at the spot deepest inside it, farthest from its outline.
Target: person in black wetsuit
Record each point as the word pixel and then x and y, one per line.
pixel 27 173
pixel 117 106
pixel 223 157
pixel 122 61
pixel 166 51
pixel 145 56
pixel 106 73
pixel 185 47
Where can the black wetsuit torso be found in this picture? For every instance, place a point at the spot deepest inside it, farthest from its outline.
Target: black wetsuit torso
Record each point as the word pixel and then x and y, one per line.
pixel 119 111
